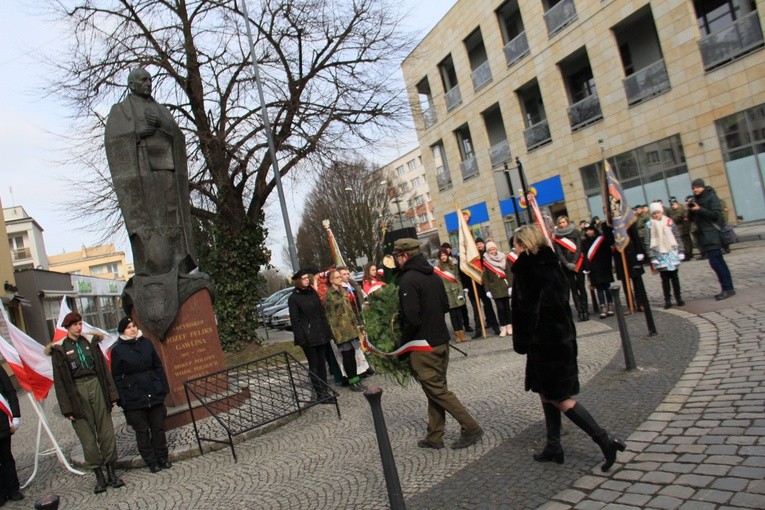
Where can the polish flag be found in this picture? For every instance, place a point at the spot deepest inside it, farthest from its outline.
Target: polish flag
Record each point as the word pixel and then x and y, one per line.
pixel 9 354
pixel 37 364
pixel 107 339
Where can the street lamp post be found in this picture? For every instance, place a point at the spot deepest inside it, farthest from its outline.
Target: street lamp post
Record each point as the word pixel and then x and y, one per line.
pixel 512 196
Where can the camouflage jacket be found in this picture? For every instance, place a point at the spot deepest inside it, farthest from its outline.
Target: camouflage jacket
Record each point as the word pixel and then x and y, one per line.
pixel 342 319
pixel 679 219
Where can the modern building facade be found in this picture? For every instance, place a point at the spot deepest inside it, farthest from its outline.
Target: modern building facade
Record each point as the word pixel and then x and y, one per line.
pixel 10 297
pixel 667 91
pixel 411 205
pixel 103 261
pixel 25 239
pixel 96 299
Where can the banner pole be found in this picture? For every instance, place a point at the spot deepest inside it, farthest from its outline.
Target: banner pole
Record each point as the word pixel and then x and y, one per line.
pixel 479 307
pixel 627 283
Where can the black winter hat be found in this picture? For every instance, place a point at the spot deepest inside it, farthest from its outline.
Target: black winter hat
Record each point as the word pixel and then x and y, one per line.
pixel 123 324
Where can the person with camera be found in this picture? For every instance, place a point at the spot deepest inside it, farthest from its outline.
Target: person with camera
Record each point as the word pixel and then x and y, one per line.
pixel 705 210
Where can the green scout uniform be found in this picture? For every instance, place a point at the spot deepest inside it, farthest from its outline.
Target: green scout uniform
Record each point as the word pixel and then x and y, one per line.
pixel 85 390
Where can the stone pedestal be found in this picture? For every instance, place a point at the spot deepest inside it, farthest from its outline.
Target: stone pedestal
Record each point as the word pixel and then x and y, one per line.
pixel 191 349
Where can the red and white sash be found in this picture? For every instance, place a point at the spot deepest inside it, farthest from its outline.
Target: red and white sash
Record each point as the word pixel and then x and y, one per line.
pixel 446 275
pixel 414 345
pixel 512 257
pixel 594 248
pixel 495 270
pixel 570 246
pixel 5 407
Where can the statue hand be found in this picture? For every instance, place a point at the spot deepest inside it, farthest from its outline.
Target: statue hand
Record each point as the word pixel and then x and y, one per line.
pixel 152 119
pixel 146 132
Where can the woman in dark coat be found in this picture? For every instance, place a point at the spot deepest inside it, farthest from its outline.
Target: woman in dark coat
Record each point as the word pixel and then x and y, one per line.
pixel 598 262
pixel 312 333
pixel 9 480
pixel 543 330
pixel 142 387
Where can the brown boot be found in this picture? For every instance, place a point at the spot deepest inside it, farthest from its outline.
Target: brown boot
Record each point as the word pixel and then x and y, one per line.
pixel 459 336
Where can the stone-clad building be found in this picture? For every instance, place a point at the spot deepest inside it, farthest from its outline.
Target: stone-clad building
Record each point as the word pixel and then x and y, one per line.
pixel 668 91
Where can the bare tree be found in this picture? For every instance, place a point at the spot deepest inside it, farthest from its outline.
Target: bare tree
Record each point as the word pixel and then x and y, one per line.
pixel 326 67
pixel 354 198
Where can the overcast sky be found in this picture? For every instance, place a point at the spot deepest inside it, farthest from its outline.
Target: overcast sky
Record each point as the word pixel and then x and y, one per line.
pixel 31 129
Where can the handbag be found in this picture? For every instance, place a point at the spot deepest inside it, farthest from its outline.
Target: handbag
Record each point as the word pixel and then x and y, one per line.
pixel 727 234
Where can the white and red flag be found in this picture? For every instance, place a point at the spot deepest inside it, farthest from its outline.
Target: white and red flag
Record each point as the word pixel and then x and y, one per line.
pixel 9 354
pixel 470 257
pixel 37 365
pixel 107 339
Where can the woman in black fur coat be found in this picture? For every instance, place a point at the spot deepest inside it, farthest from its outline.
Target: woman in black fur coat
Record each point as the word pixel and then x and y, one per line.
pixel 544 331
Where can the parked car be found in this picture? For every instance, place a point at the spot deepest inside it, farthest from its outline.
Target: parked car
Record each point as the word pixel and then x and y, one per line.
pixel 271 301
pixel 281 319
pixel 269 311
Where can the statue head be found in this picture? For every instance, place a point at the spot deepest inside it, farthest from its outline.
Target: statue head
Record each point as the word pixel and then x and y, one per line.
pixel 139 82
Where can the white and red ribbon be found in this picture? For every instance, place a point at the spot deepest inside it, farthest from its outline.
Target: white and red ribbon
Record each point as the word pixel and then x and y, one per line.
pixel 446 275
pixel 411 346
pixel 6 407
pixel 594 248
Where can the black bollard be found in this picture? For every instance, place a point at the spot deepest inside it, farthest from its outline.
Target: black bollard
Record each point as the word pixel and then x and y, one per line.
pixel 49 502
pixel 395 496
pixel 629 358
pixel 637 281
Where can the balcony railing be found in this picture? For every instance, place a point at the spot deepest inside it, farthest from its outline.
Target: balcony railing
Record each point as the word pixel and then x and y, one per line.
pixel 453 97
pixel 443 178
pixel 538 134
pixel 469 167
pixel 481 76
pixel 429 117
pixel 499 153
pixel 584 112
pixel 20 254
pixel 559 15
pixel 731 42
pixel 646 83
pixel 516 49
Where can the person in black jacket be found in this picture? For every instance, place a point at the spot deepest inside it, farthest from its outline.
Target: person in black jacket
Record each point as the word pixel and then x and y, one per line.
pixel 312 333
pixel 9 480
pixel 707 212
pixel 544 331
pixel 423 304
pixel 142 387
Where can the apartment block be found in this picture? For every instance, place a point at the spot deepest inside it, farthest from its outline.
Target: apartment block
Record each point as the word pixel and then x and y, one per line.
pixel 25 239
pixel 666 91
pixel 103 261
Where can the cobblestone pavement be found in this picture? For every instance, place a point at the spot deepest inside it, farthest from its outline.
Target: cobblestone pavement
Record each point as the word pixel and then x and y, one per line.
pixel 692 415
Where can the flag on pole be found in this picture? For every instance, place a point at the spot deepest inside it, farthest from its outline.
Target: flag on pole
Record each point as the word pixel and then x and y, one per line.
pixel 36 363
pixel 9 354
pixel 107 339
pixel 470 257
pixel 337 257
pixel 539 219
pixel 619 215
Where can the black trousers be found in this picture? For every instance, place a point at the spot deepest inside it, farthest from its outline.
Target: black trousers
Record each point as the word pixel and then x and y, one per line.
pixel 316 355
pixel 149 427
pixel 455 314
pixel 578 292
pixel 349 364
pixel 670 278
pixel 490 320
pixel 9 480
pixel 503 311
pixel 465 317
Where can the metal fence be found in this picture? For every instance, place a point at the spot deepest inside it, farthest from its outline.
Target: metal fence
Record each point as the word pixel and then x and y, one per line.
pixel 254 394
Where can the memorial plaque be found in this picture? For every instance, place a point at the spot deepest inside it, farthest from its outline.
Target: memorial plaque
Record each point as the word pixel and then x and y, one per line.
pixel 191 347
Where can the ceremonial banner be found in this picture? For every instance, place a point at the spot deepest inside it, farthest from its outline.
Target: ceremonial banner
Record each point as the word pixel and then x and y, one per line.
pixel 619 215
pixel 470 257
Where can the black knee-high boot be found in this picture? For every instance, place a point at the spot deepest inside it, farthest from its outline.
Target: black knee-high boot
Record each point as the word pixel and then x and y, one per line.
pixel 675 280
pixel 553 450
pixel 608 444
pixel 665 290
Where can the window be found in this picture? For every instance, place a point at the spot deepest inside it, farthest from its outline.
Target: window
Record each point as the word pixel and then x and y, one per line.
pixel 443 176
pixel 422 218
pixel 419 200
pixel 111 268
pixel 416 182
pixel 411 164
pixel 400 170
pixel 644 176
pixel 404 187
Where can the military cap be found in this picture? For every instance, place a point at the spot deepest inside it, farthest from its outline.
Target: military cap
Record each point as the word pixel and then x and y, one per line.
pixel 406 245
